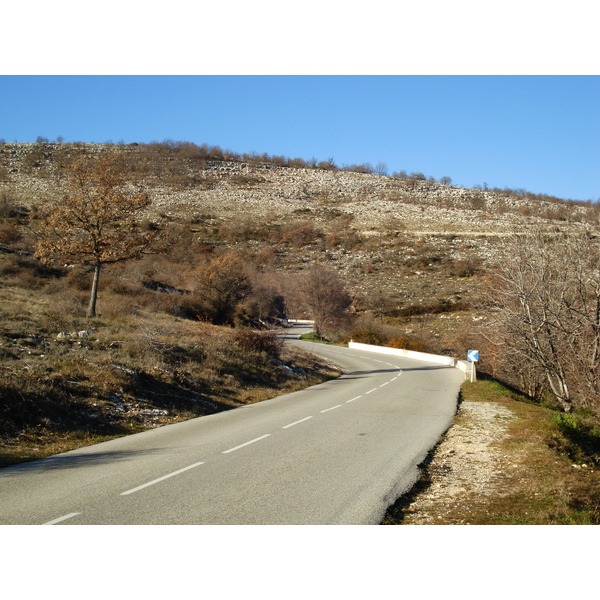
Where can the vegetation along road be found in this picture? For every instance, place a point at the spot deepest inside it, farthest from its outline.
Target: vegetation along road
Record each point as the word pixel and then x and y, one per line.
pixel 338 453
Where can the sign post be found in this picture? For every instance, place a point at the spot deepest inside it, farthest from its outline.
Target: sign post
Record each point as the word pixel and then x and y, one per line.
pixel 473 357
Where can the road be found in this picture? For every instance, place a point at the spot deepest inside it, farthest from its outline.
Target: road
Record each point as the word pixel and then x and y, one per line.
pixel 337 453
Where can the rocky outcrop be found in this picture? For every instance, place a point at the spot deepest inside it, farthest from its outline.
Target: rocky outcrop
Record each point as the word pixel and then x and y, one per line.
pixel 31 173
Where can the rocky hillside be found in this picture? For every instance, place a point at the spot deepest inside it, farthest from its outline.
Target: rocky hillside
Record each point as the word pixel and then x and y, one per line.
pixel 409 244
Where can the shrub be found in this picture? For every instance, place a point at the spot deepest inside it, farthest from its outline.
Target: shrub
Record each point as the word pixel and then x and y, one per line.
pixel 223 284
pixel 408 343
pixel 9 233
pixel 467 267
pixel 367 336
pixel 578 436
pixel 244 180
pixel 257 342
pixel 300 234
pixel 26 272
pixel 190 306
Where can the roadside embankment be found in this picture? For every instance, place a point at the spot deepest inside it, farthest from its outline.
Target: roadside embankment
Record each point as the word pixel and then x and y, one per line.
pixel 502 462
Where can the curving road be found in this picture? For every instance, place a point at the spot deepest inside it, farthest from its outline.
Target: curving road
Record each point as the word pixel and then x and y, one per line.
pixel 337 453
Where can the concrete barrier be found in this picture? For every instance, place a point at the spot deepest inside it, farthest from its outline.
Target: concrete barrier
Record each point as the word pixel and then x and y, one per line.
pixel 461 365
pixel 467 368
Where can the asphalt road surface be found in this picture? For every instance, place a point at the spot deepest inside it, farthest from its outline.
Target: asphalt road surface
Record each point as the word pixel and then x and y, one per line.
pixel 337 453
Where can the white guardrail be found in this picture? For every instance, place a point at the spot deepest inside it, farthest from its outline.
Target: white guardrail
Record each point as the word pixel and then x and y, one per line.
pixel 462 365
pixel 466 367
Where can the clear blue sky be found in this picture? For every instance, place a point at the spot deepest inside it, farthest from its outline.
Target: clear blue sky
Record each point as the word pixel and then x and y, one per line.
pixel 540 133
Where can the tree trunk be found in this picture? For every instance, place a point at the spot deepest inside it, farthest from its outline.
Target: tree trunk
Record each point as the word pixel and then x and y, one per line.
pixel 91 311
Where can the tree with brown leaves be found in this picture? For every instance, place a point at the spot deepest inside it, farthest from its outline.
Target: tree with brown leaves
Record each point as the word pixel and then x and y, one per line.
pixel 222 283
pixel 97 223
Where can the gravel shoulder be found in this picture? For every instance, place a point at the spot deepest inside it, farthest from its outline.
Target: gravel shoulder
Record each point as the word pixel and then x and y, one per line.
pixel 503 461
pixel 467 465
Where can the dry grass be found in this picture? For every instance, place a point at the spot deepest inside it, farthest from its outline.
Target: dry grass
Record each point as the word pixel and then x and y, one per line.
pixel 133 369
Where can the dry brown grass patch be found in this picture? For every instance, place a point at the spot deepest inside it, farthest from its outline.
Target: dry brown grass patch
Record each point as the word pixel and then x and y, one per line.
pixel 126 373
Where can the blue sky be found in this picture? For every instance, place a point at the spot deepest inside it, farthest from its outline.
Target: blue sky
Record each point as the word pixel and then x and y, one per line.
pixel 540 133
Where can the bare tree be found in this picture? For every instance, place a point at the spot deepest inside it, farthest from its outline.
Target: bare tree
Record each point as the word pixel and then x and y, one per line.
pixel 323 292
pixel 381 168
pixel 379 302
pixel 264 302
pixel 97 223
pixel 546 295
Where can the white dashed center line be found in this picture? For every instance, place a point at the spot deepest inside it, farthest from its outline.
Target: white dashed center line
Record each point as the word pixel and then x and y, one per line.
pixel 296 422
pixel 145 485
pixel 328 409
pixel 262 437
pixel 61 519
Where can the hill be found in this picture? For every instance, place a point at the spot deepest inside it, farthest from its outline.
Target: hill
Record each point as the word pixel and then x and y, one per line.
pixel 414 255
pixel 404 245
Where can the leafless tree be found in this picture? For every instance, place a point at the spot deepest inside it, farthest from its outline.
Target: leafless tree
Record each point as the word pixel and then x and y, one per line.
pixel 323 292
pixel 546 296
pixel 381 168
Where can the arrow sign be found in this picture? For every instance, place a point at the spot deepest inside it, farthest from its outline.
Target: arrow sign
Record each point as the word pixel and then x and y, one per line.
pixel 473 355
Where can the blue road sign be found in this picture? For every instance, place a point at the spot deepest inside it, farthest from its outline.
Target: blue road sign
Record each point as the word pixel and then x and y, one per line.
pixel 473 355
